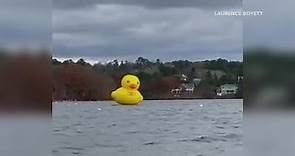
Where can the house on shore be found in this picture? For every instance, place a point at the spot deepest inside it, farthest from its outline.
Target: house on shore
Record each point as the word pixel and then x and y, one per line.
pixel 227 89
pixel 186 88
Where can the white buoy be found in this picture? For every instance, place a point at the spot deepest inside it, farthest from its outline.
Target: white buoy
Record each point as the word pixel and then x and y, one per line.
pixel 201 105
pixel 99 109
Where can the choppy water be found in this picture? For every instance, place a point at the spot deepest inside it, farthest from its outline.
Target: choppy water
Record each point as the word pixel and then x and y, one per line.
pixel 159 128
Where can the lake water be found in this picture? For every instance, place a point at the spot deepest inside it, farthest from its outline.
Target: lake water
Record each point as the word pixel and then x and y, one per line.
pixel 159 128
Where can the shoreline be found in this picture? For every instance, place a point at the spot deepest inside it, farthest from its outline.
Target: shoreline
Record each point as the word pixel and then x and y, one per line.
pixel 154 99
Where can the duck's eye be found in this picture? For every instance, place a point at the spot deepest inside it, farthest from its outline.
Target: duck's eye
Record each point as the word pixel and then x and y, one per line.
pixel 137 82
pixel 128 81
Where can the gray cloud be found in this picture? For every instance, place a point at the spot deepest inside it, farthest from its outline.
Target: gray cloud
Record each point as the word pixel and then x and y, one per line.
pixel 118 31
pixel 275 29
pixel 68 4
pixel 25 23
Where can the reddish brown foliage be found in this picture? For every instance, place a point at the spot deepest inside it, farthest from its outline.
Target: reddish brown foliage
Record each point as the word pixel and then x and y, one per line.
pixel 165 84
pixel 25 83
pixel 77 82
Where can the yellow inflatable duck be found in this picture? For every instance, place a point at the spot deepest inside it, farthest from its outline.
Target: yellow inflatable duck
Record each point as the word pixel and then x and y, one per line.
pixel 128 94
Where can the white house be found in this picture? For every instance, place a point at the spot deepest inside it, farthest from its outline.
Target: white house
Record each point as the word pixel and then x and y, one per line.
pixel 183 77
pixel 176 91
pixel 197 81
pixel 188 87
pixel 227 89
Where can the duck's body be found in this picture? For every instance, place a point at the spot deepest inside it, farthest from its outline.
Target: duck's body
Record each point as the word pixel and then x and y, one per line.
pixel 127 97
pixel 128 94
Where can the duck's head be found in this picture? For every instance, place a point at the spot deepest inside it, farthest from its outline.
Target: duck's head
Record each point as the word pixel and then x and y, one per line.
pixel 130 82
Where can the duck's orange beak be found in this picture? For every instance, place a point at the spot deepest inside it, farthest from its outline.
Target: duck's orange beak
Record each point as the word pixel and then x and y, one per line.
pixel 133 86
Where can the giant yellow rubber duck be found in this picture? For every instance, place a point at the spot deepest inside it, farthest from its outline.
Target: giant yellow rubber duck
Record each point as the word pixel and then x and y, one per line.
pixel 128 94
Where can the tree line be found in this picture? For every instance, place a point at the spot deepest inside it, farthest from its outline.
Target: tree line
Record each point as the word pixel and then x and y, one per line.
pixel 81 80
pixel 31 81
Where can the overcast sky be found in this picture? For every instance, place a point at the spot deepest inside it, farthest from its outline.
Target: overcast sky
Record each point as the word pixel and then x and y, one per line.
pixel 275 29
pixel 25 23
pixel 102 30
